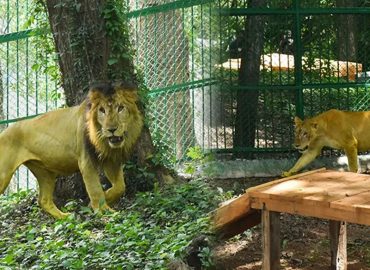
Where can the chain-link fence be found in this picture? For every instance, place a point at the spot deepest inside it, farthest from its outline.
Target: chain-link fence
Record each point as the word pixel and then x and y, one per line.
pixel 173 40
pixel 26 88
pixel 225 75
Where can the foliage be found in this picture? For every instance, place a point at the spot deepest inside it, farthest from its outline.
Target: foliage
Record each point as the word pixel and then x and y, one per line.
pixel 117 29
pixel 121 55
pixel 197 158
pixel 149 232
pixel 138 178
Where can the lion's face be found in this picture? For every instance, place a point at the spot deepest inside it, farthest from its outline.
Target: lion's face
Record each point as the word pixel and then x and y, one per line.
pixel 305 133
pixel 113 118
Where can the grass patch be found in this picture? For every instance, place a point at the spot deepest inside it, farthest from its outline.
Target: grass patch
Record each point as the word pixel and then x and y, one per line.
pixel 146 233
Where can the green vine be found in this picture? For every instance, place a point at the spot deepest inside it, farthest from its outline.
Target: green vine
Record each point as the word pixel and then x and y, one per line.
pixel 121 49
pixel 116 26
pixel 121 55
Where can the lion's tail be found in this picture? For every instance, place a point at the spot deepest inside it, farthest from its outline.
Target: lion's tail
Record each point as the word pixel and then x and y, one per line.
pixel 8 161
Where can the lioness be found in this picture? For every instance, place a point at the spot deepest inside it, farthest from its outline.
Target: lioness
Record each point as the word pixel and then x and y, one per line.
pixel 348 131
pixel 92 137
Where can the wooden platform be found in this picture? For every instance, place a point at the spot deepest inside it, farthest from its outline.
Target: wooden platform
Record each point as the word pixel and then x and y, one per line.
pixel 285 62
pixel 343 196
pixel 338 196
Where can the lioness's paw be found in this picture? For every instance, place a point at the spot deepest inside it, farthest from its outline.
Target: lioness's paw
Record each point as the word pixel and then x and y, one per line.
pixel 286 174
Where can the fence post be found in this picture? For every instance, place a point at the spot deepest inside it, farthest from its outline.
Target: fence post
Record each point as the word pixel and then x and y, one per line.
pixel 298 60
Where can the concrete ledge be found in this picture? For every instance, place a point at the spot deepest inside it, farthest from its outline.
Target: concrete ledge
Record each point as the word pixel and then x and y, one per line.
pixel 267 167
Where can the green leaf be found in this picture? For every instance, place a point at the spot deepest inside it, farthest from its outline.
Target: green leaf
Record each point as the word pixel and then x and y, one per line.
pixel 58 227
pixel 9 258
pixel 35 67
pixel 78 7
pixel 112 61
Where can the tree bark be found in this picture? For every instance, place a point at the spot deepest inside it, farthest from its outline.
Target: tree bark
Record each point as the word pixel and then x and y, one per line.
pixel 79 35
pixel 247 99
pixel 84 48
pixel 2 126
pixel 347 33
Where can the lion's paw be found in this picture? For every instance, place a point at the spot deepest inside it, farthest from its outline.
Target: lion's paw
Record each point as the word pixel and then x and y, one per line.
pixel 108 209
pixel 61 215
pixel 103 209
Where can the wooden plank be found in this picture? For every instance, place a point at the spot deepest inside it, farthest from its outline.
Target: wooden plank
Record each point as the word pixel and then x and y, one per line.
pixel 240 225
pixel 231 211
pixel 322 195
pixel 334 176
pixel 352 203
pixel 317 180
pixel 363 209
pixel 338 245
pixel 319 212
pixel 319 190
pixel 323 199
pixel 299 189
pixel 274 182
pixel 271 240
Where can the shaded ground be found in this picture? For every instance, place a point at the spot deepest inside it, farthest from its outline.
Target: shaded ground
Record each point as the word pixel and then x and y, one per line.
pixel 304 242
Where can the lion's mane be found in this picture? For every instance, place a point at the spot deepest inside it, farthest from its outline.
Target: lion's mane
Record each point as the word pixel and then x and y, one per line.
pixel 101 95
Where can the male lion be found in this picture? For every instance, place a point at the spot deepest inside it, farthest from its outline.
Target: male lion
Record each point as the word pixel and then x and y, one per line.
pixel 348 131
pixel 92 137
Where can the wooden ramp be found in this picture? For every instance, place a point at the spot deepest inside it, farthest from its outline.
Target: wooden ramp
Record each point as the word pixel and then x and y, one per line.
pixel 342 196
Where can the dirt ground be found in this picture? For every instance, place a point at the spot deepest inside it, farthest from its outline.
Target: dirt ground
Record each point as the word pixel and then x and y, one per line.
pixel 304 241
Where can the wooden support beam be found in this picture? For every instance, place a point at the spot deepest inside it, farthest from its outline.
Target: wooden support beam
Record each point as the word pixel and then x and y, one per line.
pixel 338 244
pixel 271 240
pixel 244 223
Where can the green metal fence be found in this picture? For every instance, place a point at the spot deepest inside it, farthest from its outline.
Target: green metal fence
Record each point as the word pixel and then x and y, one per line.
pixel 313 56
pixel 26 90
pixel 225 75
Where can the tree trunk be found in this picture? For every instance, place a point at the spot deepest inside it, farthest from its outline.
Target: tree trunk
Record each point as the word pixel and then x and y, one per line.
pixel 347 33
pixel 85 51
pixel 247 99
pixel 2 126
pixel 163 53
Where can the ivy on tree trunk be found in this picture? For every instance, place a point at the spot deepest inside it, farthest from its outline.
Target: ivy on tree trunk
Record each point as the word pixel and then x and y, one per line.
pixel 1 99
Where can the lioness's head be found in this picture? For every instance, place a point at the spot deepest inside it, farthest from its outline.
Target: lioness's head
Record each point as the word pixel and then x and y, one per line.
pixel 113 119
pixel 305 132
